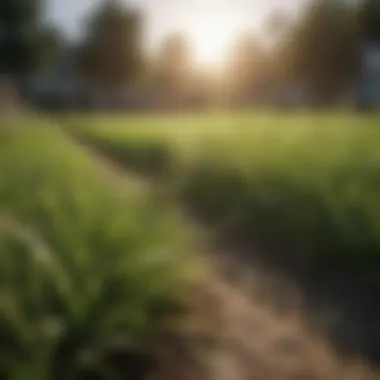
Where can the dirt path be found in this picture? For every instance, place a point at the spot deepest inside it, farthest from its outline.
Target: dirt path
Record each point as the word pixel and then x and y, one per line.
pixel 261 324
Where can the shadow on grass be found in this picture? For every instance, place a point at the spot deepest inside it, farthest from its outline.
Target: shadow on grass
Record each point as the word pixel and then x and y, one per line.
pixel 341 298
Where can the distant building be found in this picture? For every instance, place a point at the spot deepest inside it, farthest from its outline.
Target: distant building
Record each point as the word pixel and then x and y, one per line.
pixel 60 86
pixel 369 89
pixel 369 94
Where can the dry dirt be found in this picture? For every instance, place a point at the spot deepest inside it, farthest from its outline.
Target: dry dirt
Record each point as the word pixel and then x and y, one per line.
pixel 265 332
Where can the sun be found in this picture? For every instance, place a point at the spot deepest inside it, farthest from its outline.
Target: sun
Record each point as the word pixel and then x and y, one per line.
pixel 211 41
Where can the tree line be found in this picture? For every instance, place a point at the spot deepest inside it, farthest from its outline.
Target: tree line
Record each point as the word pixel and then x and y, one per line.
pixel 322 49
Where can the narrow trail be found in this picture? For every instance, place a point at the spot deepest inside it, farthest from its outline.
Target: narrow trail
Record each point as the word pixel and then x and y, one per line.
pixel 261 324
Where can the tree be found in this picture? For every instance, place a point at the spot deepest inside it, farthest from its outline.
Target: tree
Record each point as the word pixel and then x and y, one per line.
pixel 246 66
pixel 173 67
pixel 369 16
pixel 323 48
pixel 369 22
pixel 110 54
pixel 277 24
pixel 22 37
pixel 50 44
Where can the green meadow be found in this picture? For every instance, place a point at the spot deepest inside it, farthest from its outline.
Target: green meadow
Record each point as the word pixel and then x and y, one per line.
pixel 89 266
pixel 305 184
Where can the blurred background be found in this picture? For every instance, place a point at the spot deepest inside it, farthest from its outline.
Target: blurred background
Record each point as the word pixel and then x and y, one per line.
pixel 176 54
pixel 189 190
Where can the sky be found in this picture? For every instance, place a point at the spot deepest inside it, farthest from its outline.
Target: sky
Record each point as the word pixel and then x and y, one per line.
pixel 199 19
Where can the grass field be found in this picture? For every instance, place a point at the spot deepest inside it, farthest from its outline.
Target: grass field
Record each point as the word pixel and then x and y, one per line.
pixel 305 184
pixel 81 263
pixel 93 272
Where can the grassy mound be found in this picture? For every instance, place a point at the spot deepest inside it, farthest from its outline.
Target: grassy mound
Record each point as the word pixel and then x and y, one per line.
pixel 84 270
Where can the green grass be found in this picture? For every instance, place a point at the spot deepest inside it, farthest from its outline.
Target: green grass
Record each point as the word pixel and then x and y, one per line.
pixel 81 263
pixel 306 184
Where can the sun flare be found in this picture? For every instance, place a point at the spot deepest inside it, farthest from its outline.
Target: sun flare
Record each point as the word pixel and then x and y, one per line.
pixel 211 42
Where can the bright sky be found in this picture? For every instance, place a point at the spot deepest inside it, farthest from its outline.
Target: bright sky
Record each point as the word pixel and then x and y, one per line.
pixel 210 24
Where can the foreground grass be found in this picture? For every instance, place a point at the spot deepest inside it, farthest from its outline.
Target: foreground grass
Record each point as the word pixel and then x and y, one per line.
pixel 84 270
pixel 304 185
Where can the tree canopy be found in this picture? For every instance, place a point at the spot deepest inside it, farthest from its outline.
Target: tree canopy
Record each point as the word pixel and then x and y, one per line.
pixel 110 54
pixel 25 41
pixel 370 20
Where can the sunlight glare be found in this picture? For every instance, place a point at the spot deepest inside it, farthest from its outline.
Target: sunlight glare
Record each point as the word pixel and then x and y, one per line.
pixel 211 42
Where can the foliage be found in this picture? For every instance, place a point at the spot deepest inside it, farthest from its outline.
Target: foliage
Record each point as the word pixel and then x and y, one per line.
pixel 110 55
pixel 25 42
pixel 84 269
pixel 247 68
pixel 174 75
pixel 323 49
pixel 369 17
